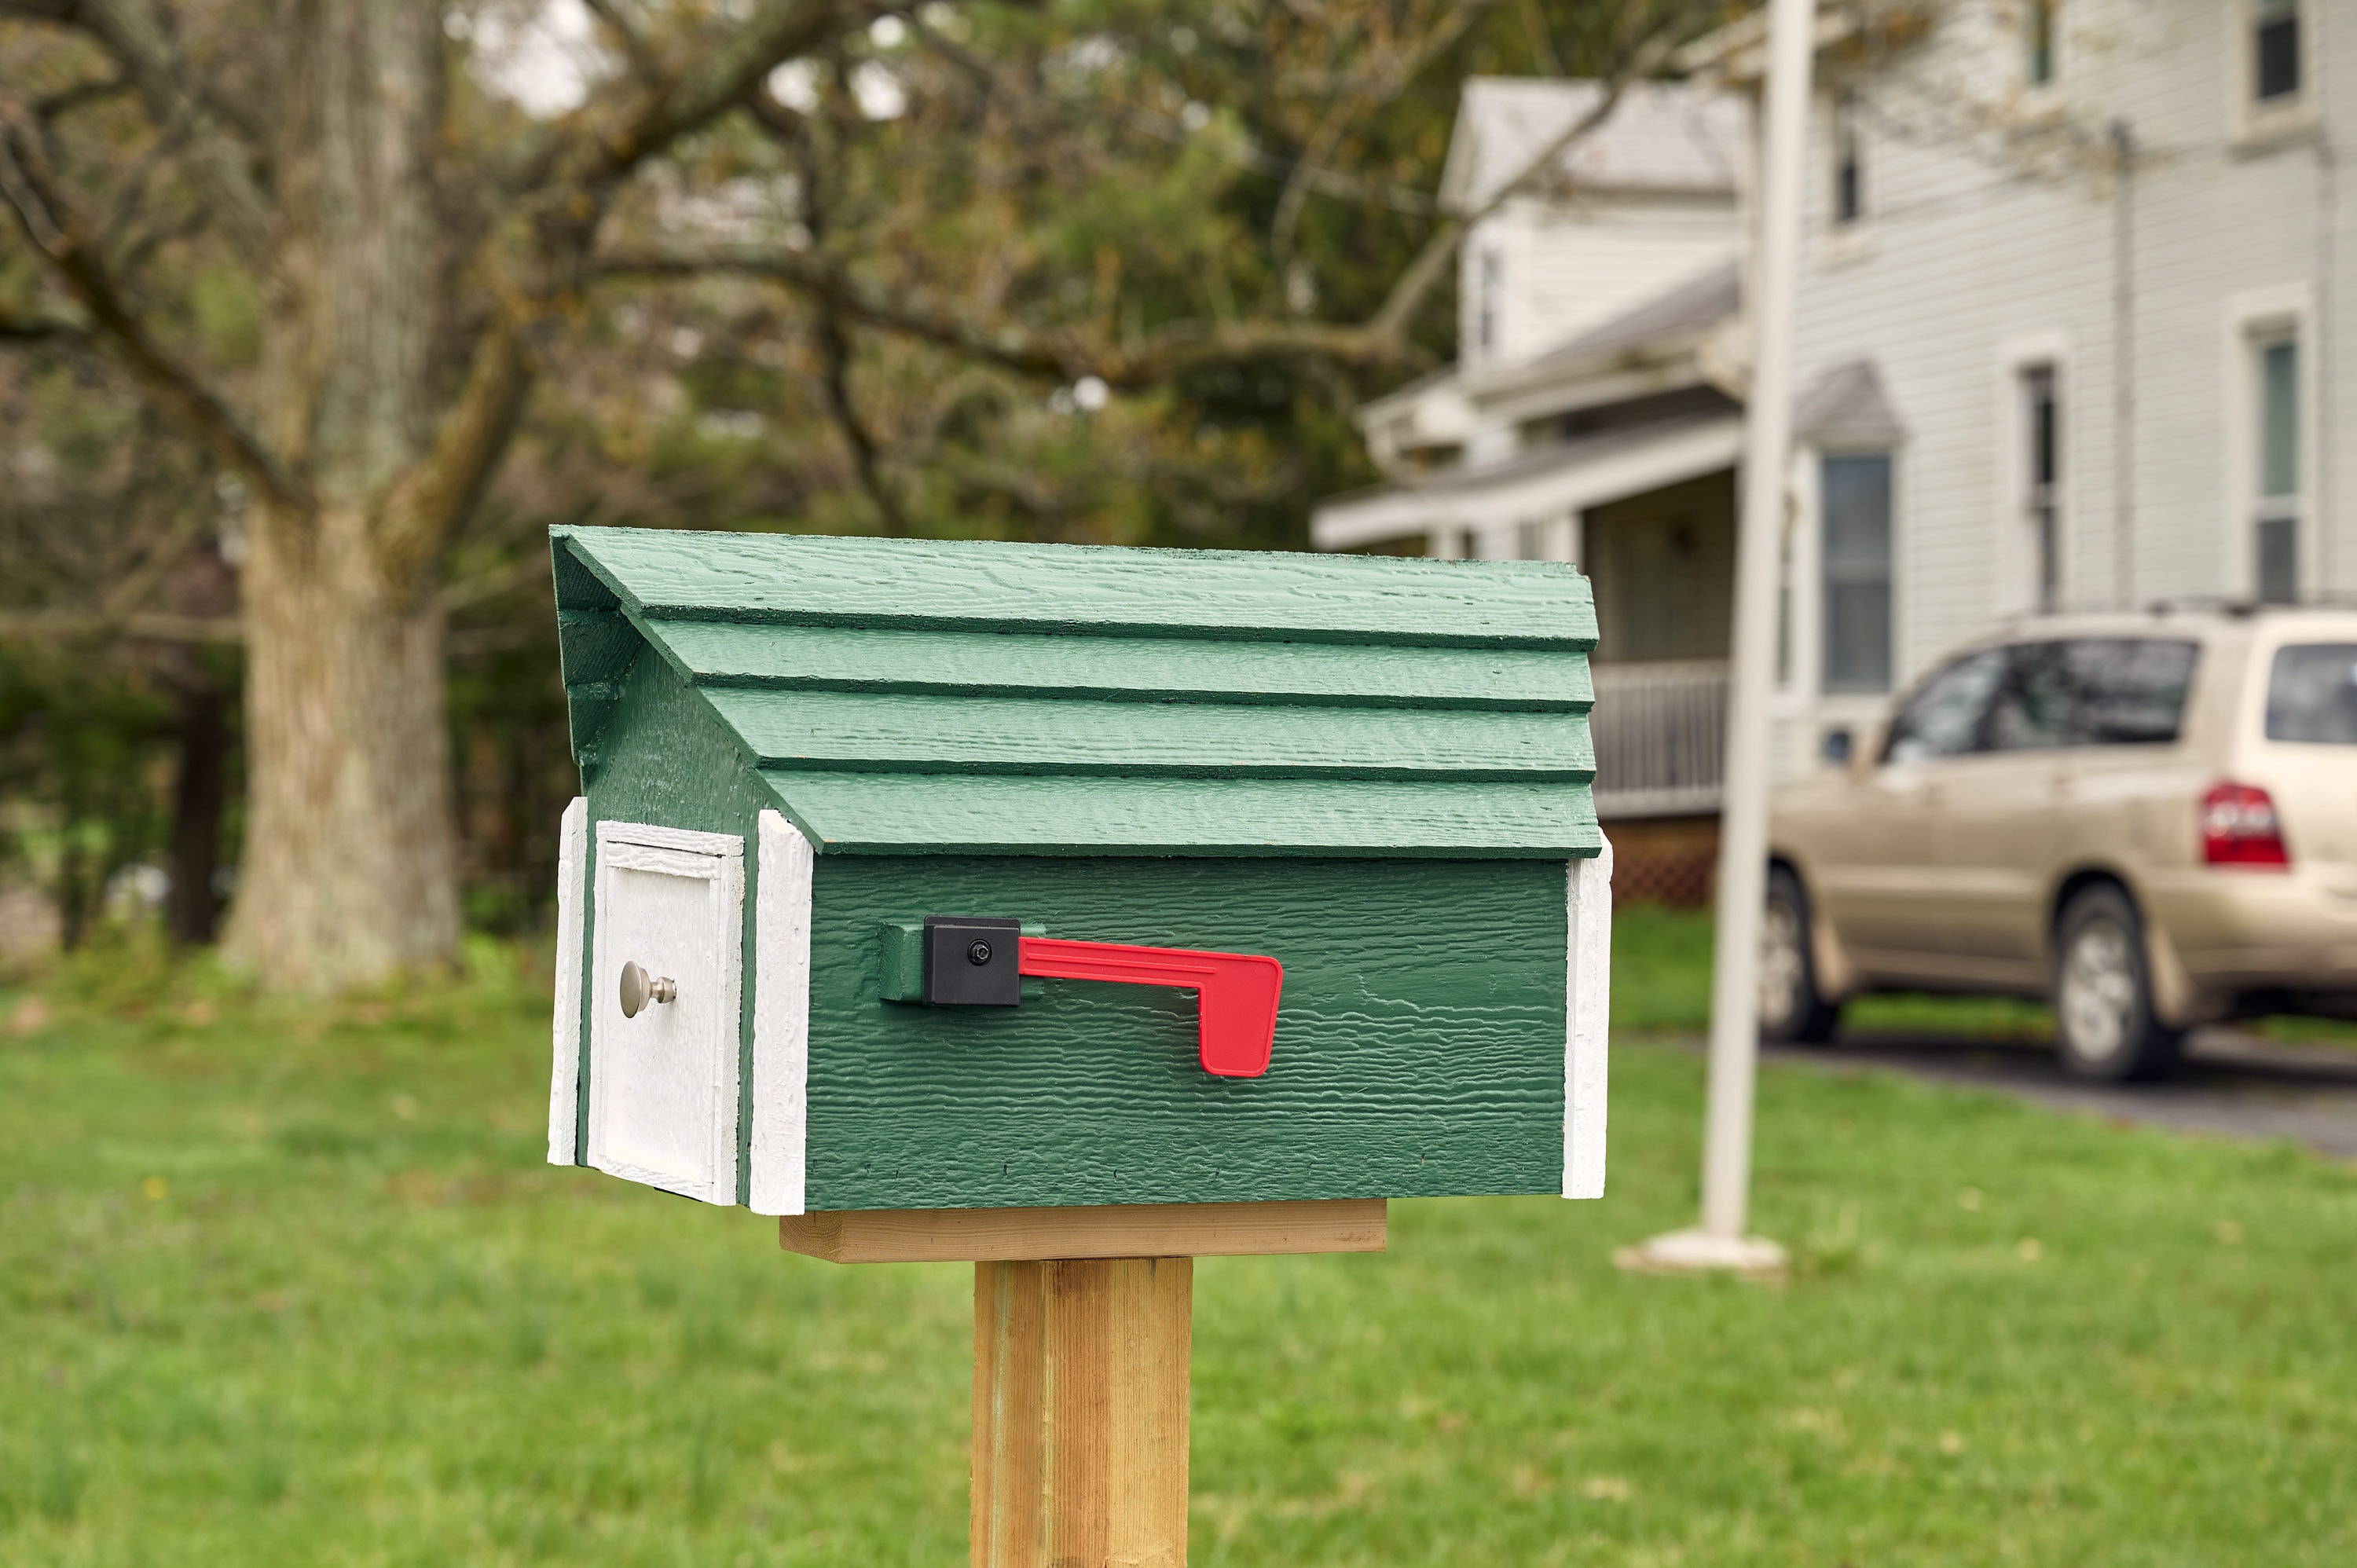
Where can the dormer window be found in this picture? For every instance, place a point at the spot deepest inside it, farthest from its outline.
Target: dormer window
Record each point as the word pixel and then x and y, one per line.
pixel 2274 52
pixel 1850 183
pixel 2038 37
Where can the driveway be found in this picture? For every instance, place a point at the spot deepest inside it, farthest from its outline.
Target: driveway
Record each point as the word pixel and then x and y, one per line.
pixel 2230 1084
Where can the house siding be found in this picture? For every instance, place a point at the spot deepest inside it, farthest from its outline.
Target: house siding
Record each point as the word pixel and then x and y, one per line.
pixel 1979 246
pixel 1573 264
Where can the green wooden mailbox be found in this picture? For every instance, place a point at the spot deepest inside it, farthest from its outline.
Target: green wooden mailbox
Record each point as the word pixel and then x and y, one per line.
pixel 965 876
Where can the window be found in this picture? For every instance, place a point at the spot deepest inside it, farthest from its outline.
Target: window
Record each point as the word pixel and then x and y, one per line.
pixel 1490 281
pixel 1856 561
pixel 2041 450
pixel 1944 717
pixel 1849 185
pixel 2275 50
pixel 2276 515
pixel 2038 34
pixel 2110 691
pixel 2312 694
pixel 2033 711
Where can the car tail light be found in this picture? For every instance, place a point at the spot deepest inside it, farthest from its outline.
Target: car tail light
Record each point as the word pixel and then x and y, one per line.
pixel 2239 827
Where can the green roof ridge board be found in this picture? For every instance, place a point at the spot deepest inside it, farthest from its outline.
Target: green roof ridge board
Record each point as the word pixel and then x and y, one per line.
pixel 903 696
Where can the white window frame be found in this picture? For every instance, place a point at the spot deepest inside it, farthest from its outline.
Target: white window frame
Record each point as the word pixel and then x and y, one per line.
pixel 1802 706
pixel 2016 560
pixel 2254 125
pixel 2252 320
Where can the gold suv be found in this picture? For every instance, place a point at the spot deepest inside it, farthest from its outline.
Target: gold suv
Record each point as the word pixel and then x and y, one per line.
pixel 2150 821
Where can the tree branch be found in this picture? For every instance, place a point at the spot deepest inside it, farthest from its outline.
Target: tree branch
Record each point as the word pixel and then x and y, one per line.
pixel 1063 354
pixel 1642 57
pixel 1174 131
pixel 598 145
pixel 426 504
pixel 154 626
pixel 1389 77
pixel 569 180
pixel 31 191
pixel 135 36
pixel 635 48
pixel 15 328
pixel 834 350
pixel 1382 341
pixel 80 95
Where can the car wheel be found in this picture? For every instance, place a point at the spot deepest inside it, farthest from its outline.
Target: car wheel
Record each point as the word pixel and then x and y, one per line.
pixel 1790 1007
pixel 2104 1026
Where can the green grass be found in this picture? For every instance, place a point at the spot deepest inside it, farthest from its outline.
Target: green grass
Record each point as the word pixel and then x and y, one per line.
pixel 1661 985
pixel 290 1284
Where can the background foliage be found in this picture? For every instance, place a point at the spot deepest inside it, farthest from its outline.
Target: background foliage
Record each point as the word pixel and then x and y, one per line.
pixel 1111 182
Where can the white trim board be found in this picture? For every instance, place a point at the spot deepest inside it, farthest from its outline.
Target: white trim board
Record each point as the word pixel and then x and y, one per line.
pixel 782 966
pixel 715 1077
pixel 1588 1009
pixel 1645 461
pixel 565 1034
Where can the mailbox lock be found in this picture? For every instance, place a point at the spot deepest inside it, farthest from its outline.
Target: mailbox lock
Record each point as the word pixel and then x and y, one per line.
pixel 639 989
pixel 978 954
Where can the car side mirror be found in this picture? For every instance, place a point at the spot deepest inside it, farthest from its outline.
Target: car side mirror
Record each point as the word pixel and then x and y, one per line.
pixel 1836 748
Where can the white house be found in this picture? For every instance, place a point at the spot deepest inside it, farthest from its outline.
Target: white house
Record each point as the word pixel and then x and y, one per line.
pixel 2091 255
pixel 1593 414
pixel 2069 336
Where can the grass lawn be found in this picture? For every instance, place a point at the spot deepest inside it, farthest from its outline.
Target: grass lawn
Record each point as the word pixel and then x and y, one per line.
pixel 287 1284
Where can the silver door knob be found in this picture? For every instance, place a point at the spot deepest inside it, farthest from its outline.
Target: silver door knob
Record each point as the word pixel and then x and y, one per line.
pixel 639 988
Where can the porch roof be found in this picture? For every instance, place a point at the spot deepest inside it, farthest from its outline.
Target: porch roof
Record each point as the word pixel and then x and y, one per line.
pixel 1569 476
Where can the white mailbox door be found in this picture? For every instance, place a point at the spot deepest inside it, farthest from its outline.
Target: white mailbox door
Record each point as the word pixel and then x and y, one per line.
pixel 663 1083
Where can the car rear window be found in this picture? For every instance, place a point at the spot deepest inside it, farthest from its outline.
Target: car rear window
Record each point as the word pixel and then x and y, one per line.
pixel 2312 694
pixel 2093 690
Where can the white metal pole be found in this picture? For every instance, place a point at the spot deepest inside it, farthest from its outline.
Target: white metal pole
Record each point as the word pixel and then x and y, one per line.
pixel 1766 459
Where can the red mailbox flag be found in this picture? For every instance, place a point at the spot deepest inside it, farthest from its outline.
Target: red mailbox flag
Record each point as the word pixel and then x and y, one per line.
pixel 1236 1012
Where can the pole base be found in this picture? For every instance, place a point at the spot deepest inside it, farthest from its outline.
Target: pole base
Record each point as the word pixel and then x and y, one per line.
pixel 1703 1253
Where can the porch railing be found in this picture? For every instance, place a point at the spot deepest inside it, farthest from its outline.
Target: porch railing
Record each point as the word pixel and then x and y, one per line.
pixel 1659 730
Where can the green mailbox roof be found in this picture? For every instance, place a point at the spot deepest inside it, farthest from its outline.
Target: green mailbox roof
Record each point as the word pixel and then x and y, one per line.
pixel 907 696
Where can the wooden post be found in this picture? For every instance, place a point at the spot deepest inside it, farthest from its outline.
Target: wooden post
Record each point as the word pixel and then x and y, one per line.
pixel 1079 1412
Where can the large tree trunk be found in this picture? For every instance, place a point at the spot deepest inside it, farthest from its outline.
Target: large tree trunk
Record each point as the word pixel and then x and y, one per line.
pixel 349 870
pixel 350 867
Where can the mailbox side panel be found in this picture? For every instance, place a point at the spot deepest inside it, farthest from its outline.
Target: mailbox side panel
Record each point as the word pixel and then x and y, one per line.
pixel 665 760
pixel 1419 1039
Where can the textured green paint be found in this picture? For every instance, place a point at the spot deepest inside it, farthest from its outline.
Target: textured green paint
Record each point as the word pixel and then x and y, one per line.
pixel 595 643
pixel 1123 669
pixel 900 973
pixel 667 761
pixel 1420 1044
pixel 810 579
pixel 887 814
pixel 852 731
pixel 917 698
